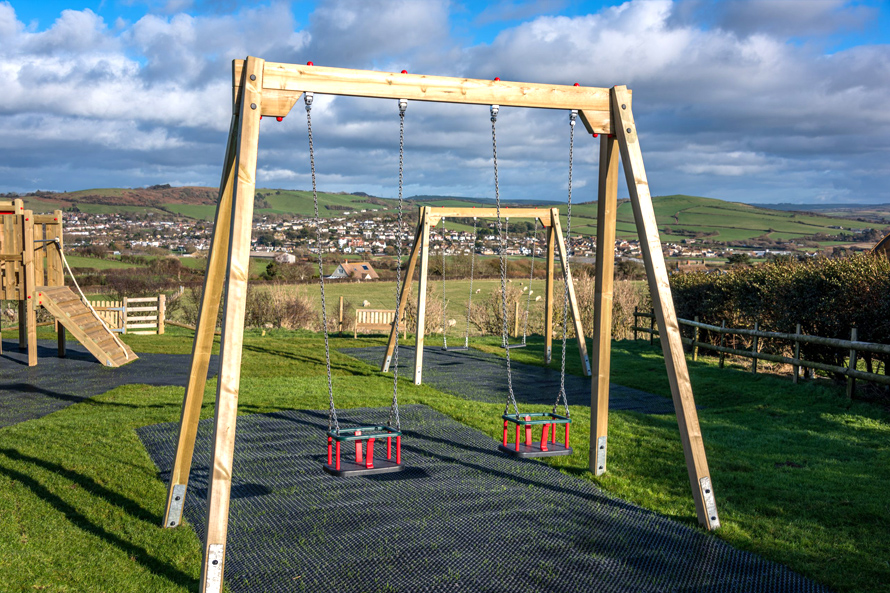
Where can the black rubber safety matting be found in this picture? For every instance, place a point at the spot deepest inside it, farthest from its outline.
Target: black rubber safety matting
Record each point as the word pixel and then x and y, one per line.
pixel 460 517
pixel 27 392
pixel 482 377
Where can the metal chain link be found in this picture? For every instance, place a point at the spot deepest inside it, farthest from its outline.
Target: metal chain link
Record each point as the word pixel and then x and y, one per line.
pixel 531 276
pixel 394 408
pixel 472 269
pixel 565 302
pixel 444 302
pixel 503 259
pixel 333 423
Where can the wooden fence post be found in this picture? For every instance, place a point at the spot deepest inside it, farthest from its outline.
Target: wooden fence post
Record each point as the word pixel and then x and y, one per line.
pixel 796 368
pixel 162 312
pixel 340 318
pixel 754 349
pixel 695 341
pixel 634 325
pixel 851 382
pixel 722 344
pixel 124 315
pixel 651 327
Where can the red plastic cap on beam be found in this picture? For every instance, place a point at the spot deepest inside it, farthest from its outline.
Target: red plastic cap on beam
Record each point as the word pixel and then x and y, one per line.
pixel 497 78
pixel 279 118
pixel 310 64
pixel 576 84
pixel 404 72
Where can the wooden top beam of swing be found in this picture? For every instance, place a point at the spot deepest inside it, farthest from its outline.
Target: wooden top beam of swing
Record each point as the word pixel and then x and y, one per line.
pixel 284 83
pixel 437 213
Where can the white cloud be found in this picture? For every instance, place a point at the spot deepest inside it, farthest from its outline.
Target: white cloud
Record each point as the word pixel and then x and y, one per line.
pixel 725 102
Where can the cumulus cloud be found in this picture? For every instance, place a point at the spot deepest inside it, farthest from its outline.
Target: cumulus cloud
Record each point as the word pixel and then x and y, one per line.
pixel 728 100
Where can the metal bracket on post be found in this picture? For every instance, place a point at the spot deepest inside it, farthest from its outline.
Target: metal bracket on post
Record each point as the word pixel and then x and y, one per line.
pixel 601 455
pixel 710 502
pixel 174 517
pixel 214 568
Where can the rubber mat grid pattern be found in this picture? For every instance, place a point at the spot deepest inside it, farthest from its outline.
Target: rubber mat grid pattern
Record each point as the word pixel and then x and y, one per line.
pixel 460 517
pixel 27 392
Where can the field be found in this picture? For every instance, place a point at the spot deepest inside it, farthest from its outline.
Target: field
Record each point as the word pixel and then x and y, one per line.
pixel 80 501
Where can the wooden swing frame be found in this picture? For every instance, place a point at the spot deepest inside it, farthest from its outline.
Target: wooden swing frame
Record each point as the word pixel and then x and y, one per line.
pixel 271 89
pixel 429 217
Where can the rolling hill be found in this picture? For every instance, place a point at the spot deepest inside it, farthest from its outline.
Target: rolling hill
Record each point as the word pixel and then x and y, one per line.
pixel 679 216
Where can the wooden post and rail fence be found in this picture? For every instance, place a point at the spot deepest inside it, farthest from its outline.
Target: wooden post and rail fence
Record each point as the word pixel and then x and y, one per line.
pixel 134 315
pixel 797 362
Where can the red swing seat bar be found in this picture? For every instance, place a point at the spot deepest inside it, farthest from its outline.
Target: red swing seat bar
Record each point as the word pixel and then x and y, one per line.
pixel 547 446
pixel 364 462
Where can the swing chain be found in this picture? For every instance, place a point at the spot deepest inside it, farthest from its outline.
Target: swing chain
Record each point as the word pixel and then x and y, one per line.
pixel 394 408
pixel 503 259
pixel 565 302
pixel 333 423
pixel 472 269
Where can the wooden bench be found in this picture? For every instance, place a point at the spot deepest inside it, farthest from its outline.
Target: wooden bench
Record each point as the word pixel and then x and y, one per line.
pixel 376 320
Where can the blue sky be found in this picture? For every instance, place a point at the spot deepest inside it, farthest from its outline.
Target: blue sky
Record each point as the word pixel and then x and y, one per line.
pixel 748 100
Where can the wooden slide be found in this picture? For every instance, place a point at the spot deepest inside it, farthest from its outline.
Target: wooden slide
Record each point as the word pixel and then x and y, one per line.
pixel 76 316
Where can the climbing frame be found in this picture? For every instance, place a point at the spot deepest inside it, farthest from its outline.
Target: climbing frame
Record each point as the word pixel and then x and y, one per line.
pixel 271 89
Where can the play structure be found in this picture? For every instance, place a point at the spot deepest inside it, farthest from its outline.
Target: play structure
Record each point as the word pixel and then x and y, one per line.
pixel 272 89
pixel 429 216
pixel 32 272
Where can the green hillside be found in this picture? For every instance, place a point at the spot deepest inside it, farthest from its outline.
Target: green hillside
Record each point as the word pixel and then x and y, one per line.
pixel 679 216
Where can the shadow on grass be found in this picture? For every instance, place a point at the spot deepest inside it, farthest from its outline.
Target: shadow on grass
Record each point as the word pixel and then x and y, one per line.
pixel 76 518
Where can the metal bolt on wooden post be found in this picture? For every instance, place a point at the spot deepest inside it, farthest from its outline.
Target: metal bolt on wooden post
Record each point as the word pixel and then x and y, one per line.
pixel 754 349
pixel 851 382
pixel 796 368
pixel 695 341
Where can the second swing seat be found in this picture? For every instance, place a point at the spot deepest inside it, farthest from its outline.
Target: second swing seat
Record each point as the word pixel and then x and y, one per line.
pixel 547 446
pixel 364 462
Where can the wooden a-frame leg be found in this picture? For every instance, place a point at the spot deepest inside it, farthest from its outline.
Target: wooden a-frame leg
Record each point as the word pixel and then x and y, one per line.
pixel 573 301
pixel 659 288
pixel 203 344
pixel 607 207
pixel 29 293
pixel 403 297
pixel 548 295
pixel 237 271
pixel 421 294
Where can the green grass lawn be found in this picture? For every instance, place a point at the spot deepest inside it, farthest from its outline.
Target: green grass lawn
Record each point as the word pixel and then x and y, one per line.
pixel 80 261
pixel 800 474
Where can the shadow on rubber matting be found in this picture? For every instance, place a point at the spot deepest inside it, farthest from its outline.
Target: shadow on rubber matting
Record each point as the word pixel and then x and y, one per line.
pixel 27 392
pixel 481 376
pixel 460 517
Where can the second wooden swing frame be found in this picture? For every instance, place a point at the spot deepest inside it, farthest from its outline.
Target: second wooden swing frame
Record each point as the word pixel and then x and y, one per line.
pixel 429 217
pixel 263 88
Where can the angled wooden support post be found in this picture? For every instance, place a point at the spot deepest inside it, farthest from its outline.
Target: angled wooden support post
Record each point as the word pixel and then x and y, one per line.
pixel 421 292
pixel 660 291
pixel 237 271
pixel 570 286
pixel 29 294
pixel 203 344
pixel 548 295
pixel 606 212
pixel 403 297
